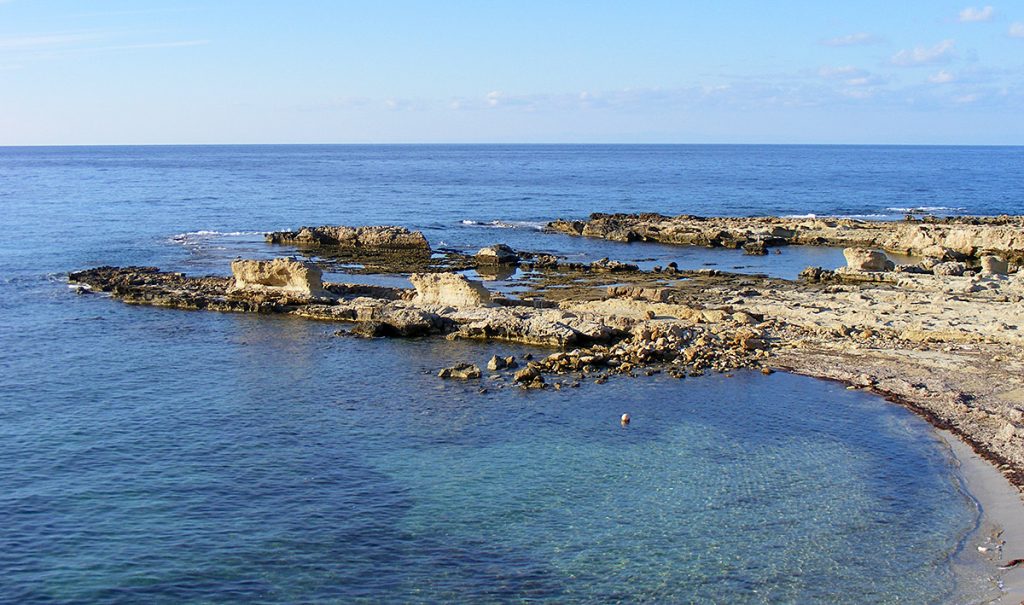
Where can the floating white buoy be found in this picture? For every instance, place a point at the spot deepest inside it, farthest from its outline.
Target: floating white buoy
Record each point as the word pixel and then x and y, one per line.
pixel 625 419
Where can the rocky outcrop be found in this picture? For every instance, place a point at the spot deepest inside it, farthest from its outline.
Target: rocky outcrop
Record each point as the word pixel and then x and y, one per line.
pixel 967 237
pixel 862 259
pixel 499 254
pixel 278 275
pixel 371 238
pixel 448 290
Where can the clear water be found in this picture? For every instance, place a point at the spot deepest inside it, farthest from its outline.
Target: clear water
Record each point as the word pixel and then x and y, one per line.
pixel 150 455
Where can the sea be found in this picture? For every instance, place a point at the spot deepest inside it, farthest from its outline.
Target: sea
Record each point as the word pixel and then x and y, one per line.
pixel 150 455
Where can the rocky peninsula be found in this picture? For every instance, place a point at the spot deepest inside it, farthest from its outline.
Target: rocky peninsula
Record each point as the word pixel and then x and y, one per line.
pixel 943 336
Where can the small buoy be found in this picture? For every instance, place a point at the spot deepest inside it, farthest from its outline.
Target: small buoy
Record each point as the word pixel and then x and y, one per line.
pixel 625 419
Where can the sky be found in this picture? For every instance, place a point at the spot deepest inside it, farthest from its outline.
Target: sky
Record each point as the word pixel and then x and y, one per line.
pixel 80 72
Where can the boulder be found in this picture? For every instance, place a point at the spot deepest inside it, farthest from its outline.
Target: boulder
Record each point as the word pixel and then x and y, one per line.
pixel 448 290
pixel 496 363
pixel 460 371
pixel 499 254
pixel 862 259
pixel 994 265
pixel 282 275
pixel 951 269
pixel 755 248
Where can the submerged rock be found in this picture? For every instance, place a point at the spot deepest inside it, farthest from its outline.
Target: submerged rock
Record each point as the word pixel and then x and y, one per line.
pixel 460 371
pixel 448 290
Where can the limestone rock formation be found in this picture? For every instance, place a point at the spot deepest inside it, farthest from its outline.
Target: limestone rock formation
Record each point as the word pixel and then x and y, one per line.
pixel 278 275
pixel 499 254
pixel 862 259
pixel 376 238
pixel 448 290
pixel 994 265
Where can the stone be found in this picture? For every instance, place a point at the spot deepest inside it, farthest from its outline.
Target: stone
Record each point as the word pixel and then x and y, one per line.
pixel 527 374
pixel 496 363
pixel 279 275
pixel 460 371
pixel 862 259
pixel 499 254
pixel 448 290
pixel 755 248
pixel 994 265
pixel 950 269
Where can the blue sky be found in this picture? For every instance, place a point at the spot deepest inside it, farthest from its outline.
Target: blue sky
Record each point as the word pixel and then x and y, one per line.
pixel 155 72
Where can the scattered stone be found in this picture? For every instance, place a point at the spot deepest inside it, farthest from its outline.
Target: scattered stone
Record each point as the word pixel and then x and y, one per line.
pixel 461 371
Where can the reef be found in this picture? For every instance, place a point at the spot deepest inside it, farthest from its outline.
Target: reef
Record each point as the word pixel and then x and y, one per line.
pixel 943 336
pixel 954 238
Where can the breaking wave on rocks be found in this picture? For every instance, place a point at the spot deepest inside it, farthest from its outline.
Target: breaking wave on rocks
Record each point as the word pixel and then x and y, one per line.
pixel 496 224
pixel 204 234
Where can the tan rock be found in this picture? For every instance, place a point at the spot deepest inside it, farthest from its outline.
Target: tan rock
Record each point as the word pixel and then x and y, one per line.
pixel 994 265
pixel 499 254
pixel 448 290
pixel 279 275
pixel 862 259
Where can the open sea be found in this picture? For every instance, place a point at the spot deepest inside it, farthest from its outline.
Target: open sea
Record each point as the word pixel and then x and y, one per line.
pixel 160 456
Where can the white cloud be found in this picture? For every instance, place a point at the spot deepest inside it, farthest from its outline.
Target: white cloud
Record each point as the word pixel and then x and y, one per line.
pixel 845 71
pixel 974 15
pixel 1017 29
pixel 852 39
pixel 940 53
pixel 942 77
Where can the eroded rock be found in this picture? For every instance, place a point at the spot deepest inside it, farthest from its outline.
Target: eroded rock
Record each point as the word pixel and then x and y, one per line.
pixel 862 259
pixel 278 275
pixel 448 290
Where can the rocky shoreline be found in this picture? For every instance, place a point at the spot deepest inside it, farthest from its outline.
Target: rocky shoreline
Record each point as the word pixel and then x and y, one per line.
pixel 949 239
pixel 948 344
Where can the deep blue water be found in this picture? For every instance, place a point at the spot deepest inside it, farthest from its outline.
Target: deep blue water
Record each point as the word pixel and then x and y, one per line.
pixel 150 455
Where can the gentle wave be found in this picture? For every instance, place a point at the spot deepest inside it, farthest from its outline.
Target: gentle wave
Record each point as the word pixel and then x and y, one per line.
pixel 853 216
pixel 191 237
pixel 926 209
pixel 535 225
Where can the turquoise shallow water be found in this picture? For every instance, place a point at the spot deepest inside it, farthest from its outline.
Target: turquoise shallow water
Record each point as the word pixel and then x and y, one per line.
pixel 150 455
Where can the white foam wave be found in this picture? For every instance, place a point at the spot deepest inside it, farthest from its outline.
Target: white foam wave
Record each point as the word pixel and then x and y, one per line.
pixel 925 209
pixel 854 216
pixel 204 234
pixel 535 225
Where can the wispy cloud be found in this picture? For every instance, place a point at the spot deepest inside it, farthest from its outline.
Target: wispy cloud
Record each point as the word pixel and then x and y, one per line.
pixel 175 44
pixel 920 55
pixel 975 15
pixel 942 77
pixel 855 39
pixel 37 42
pixel 1017 29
